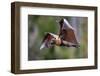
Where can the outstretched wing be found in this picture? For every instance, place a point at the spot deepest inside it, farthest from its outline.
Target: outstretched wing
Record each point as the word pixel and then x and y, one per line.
pixel 67 32
pixel 48 41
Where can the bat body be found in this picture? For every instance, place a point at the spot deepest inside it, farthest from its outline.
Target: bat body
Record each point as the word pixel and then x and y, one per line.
pixel 66 36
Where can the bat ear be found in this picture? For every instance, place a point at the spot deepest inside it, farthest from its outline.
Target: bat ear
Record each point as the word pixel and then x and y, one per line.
pixel 42 46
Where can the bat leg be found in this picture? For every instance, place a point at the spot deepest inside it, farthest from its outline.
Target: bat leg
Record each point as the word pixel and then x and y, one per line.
pixel 69 44
pixel 77 46
pixel 62 44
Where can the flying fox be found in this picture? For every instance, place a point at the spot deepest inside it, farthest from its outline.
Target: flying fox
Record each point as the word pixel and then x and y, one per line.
pixel 66 36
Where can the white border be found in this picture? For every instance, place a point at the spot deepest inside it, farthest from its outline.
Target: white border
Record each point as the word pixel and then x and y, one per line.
pixel 25 64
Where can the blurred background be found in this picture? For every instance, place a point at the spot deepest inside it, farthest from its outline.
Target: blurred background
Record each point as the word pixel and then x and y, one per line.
pixel 39 25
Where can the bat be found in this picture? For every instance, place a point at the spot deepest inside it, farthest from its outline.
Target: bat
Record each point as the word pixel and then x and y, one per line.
pixel 66 37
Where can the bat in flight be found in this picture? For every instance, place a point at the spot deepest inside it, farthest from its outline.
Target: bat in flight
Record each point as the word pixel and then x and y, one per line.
pixel 66 37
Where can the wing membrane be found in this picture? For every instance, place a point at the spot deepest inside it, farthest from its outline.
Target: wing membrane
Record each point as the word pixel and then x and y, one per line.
pixel 67 32
pixel 48 40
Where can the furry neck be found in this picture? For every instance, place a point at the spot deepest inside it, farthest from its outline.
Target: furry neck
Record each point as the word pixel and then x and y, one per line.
pixel 58 41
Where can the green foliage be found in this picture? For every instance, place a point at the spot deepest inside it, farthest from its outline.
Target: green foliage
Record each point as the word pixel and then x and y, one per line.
pixel 48 24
